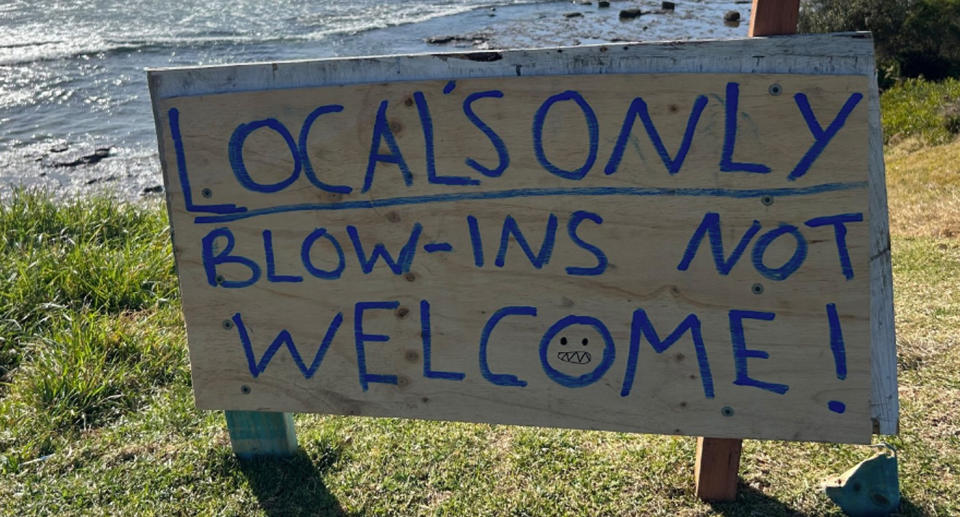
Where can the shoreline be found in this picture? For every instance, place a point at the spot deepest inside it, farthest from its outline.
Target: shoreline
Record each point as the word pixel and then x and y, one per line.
pixel 69 164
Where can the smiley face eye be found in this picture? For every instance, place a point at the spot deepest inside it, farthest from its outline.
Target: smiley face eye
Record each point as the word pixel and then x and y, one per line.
pixel 563 341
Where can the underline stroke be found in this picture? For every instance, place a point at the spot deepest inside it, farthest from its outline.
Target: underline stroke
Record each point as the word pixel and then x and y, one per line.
pixel 537 192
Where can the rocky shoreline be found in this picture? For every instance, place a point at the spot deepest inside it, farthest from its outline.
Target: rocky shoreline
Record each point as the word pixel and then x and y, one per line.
pixel 126 164
pixel 595 23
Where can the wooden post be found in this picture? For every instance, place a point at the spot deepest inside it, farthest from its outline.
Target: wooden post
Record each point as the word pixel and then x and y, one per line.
pixel 261 433
pixel 774 17
pixel 718 459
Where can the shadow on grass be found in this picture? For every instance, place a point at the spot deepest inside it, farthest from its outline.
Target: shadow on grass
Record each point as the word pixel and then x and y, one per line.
pixel 908 508
pixel 751 501
pixel 292 486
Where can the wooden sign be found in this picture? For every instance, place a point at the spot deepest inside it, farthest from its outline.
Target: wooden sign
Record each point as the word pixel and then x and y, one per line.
pixel 678 253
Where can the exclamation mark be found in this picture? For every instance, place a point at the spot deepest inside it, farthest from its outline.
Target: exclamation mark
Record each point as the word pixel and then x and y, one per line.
pixel 839 353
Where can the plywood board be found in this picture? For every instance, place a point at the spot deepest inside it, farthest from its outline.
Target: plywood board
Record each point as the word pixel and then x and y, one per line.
pixel 494 260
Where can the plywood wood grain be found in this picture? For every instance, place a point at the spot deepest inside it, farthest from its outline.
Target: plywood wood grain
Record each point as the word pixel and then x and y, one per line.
pixel 524 295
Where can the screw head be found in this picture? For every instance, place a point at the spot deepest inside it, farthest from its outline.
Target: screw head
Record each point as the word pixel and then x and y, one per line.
pixel 756 288
pixel 245 389
pixel 775 89
pixel 219 279
pixel 767 200
pixel 227 324
pixel 206 193
pixel 726 411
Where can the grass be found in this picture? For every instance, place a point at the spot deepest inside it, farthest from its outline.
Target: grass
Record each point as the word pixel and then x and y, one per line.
pixel 97 415
pixel 921 112
pixel 89 321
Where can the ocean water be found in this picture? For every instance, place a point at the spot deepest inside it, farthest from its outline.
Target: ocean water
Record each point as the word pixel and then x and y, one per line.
pixel 72 74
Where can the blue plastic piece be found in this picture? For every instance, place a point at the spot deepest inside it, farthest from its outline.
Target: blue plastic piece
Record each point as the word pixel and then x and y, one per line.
pixel 869 489
pixel 261 433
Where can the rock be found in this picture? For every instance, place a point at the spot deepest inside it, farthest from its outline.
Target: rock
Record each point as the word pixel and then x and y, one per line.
pixel 573 15
pixel 98 154
pixel 603 4
pixel 668 6
pixel 440 40
pixel 59 148
pixel 731 16
pixel 583 2
pixel 156 189
pixel 629 14
pixel 473 39
pixel 91 181
pixel 88 159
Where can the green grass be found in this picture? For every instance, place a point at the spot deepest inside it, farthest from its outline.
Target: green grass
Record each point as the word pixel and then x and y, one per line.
pixel 97 414
pixel 89 321
pixel 924 111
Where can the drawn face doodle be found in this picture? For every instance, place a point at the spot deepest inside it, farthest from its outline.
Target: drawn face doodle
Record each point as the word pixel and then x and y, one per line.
pixel 576 351
pixel 570 352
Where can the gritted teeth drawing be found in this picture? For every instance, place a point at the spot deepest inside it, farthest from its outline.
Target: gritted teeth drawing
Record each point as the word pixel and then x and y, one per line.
pixel 569 351
pixel 574 356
